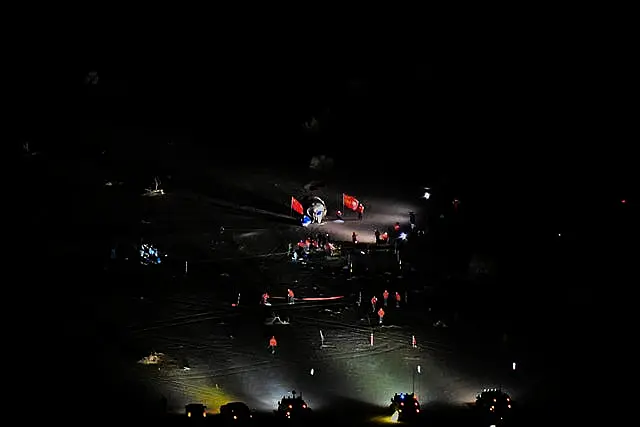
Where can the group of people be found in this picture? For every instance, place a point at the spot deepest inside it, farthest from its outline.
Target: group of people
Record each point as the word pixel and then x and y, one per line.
pixel 302 249
pixel 359 210
pixel 290 298
pixel 380 311
pixel 385 303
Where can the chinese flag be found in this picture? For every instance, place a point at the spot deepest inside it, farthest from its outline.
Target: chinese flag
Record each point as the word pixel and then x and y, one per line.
pixel 297 206
pixel 350 202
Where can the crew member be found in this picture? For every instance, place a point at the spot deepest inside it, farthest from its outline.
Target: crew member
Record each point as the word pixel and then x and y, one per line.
pixel 380 315
pixel 290 296
pixel 398 298
pixel 377 234
pixel 374 300
pixel 265 298
pixel 360 211
pixel 354 238
pixel 385 297
pixel 273 344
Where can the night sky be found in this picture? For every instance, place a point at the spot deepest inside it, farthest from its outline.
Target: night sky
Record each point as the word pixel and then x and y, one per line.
pixel 538 121
pixel 534 129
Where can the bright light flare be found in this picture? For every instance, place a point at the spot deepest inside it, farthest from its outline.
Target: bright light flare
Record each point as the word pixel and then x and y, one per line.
pixel 385 419
pixel 395 417
pixel 403 236
pixel 427 194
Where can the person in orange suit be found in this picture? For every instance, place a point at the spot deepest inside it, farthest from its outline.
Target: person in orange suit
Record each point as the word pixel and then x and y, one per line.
pixel 290 296
pixel 380 315
pixel 374 300
pixel 273 344
pixel 385 297
pixel 398 298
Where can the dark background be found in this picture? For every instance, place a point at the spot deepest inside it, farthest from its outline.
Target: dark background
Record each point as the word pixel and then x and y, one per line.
pixel 531 129
pixel 528 123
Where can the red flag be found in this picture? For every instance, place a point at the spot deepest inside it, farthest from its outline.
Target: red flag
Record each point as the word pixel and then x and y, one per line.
pixel 350 202
pixel 297 206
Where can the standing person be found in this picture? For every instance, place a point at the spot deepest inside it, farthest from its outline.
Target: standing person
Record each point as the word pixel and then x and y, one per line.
pixel 273 344
pixel 380 315
pixel 398 298
pixel 290 296
pixel 354 238
pixel 265 298
pixel 377 234
pixel 360 211
pixel 374 301
pixel 385 297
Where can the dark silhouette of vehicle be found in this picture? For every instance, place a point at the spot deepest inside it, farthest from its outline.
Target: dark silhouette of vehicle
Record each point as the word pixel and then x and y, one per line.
pixel 494 405
pixel 195 411
pixel 236 412
pixel 406 405
pixel 293 407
